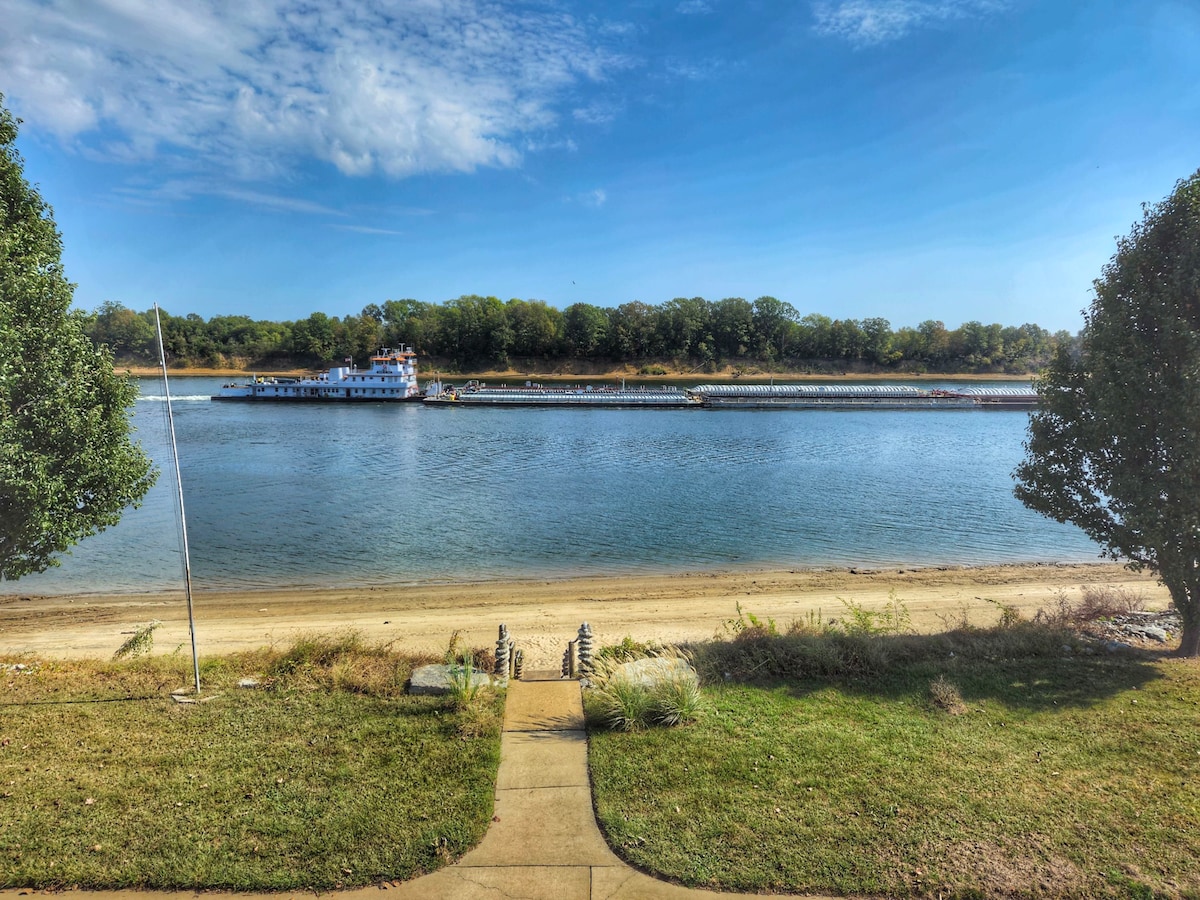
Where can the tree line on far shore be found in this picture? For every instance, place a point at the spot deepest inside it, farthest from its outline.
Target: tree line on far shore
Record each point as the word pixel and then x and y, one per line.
pixel 471 333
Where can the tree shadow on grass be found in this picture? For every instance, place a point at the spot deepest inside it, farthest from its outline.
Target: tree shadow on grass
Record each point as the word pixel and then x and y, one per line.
pixel 1028 665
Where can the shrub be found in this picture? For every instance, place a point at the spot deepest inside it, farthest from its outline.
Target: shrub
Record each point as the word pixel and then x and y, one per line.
pixel 1103 601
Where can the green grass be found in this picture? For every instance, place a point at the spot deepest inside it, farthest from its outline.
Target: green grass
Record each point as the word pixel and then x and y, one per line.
pixel 1066 775
pixel 326 776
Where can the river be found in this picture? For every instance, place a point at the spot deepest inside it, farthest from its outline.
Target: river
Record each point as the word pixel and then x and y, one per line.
pixel 299 495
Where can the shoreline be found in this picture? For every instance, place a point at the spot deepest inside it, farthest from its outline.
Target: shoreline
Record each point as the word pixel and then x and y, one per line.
pixel 544 614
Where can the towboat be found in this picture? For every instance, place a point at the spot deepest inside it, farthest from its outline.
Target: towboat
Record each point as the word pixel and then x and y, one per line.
pixel 392 377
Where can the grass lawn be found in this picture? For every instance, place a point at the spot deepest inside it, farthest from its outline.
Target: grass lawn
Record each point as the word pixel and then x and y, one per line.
pixel 1060 775
pixel 327 775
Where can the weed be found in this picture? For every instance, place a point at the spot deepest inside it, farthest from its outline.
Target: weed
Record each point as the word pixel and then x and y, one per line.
pixel 894 618
pixel 748 623
pixel 139 644
pixel 1010 616
pixel 813 623
pixel 452 652
pixel 945 696
pixel 959 620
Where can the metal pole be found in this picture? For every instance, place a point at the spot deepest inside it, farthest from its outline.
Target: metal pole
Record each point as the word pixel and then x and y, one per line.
pixel 187 563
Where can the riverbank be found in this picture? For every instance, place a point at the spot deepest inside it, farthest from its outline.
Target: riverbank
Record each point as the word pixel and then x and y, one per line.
pixel 543 615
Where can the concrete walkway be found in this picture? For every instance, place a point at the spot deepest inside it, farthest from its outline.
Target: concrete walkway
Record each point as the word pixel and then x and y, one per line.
pixel 544 841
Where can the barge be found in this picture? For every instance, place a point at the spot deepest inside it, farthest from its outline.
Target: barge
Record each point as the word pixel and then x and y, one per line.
pixel 736 396
pixel 476 394
pixel 849 397
pixel 391 378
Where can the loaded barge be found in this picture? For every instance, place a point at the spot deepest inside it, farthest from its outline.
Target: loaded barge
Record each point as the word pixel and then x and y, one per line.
pixel 475 394
pixel 848 396
pixel 742 396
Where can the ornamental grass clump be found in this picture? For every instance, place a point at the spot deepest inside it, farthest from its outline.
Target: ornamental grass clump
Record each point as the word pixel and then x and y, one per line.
pixel 660 689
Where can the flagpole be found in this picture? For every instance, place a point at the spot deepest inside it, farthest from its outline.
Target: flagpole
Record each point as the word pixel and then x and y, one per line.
pixel 187 564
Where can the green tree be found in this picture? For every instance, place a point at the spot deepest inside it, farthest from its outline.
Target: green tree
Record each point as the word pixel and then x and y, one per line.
pixel 68 466
pixel 536 327
pixel 774 326
pixel 1113 446
pixel 585 328
pixel 124 331
pixel 733 326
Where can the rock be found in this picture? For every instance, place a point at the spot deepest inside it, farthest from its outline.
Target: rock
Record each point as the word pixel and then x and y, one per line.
pixel 248 683
pixel 1116 646
pixel 1154 634
pixel 654 670
pixel 435 680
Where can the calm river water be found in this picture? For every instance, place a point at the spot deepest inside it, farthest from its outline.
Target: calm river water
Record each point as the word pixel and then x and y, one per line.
pixel 281 495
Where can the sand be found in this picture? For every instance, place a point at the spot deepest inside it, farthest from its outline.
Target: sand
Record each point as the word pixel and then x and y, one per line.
pixel 542 616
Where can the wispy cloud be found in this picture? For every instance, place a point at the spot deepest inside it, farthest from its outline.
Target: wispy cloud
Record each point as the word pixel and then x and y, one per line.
pixel 367 229
pixel 694 7
pixel 254 88
pixel 693 69
pixel 864 23
pixel 595 198
pixel 600 113
pixel 277 202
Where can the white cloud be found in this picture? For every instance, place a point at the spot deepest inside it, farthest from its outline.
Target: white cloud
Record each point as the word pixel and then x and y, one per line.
pixel 251 87
pixel 867 22
pixel 694 7
pixel 595 198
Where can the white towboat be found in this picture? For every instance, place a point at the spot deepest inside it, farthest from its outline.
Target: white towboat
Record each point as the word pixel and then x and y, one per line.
pixel 392 377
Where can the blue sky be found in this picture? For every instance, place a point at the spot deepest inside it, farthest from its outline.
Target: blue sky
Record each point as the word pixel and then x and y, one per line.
pixel 911 159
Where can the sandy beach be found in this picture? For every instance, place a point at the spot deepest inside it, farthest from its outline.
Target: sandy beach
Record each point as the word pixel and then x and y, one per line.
pixel 542 615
